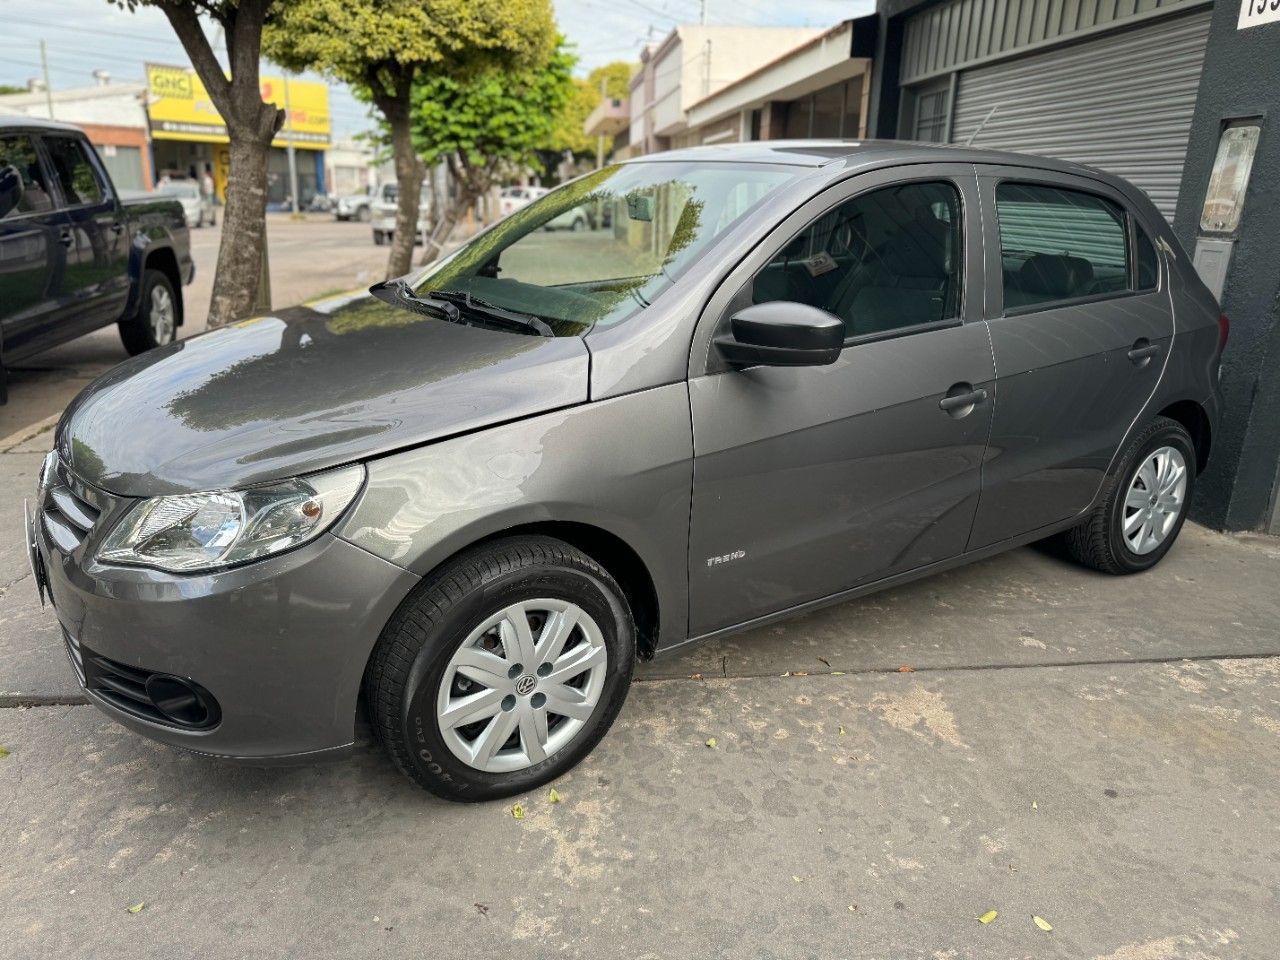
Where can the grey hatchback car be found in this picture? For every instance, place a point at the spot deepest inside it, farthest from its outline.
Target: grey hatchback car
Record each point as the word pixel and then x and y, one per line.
pixel 765 378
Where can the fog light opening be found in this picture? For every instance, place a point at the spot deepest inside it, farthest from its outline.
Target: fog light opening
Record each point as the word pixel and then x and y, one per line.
pixel 179 701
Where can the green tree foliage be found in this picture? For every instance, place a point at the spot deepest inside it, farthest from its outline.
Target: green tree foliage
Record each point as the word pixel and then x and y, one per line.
pixel 486 124
pixel 388 47
pixel 568 134
pixel 251 126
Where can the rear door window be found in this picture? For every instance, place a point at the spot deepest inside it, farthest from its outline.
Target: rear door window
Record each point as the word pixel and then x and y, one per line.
pixel 79 181
pixel 1058 244
pixel 22 174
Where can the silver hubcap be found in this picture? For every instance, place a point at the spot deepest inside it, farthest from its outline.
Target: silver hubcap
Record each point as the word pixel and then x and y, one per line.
pixel 522 685
pixel 161 315
pixel 1157 494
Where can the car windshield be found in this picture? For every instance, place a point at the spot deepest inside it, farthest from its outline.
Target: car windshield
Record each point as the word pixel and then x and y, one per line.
pixel 597 251
pixel 179 188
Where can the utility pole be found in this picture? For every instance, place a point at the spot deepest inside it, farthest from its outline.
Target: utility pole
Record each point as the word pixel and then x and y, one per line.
pixel 288 143
pixel 44 69
pixel 702 16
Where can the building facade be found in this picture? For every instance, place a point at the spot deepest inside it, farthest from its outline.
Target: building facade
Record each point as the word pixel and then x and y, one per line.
pixel 112 115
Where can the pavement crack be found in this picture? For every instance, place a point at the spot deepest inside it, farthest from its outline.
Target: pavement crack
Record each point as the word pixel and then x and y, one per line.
pixel 10 701
pixel 968 668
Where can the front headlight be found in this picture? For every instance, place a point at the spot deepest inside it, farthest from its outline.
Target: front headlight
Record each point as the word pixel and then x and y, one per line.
pixel 203 531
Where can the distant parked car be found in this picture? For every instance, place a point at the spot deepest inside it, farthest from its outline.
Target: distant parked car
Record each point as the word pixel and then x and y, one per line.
pixel 354 206
pixel 198 208
pixel 574 219
pixel 513 198
pixel 74 255
pixel 469 501
pixel 383 217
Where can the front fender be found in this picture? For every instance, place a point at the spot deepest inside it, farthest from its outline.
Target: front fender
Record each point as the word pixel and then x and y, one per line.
pixel 623 466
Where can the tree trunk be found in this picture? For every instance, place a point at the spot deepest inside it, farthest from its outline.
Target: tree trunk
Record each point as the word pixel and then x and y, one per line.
pixel 410 173
pixel 441 232
pixel 244 232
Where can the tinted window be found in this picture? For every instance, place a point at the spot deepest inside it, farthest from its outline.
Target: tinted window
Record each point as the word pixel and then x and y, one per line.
pixel 1148 267
pixel 881 261
pixel 79 181
pixel 19 164
pixel 1059 244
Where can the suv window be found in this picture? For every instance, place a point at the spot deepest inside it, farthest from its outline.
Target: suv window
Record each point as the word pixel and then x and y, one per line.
pixel 1059 244
pixel 18 159
pixel 881 261
pixel 79 181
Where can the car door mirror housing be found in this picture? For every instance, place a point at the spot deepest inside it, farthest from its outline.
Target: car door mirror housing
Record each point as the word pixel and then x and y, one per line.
pixel 782 334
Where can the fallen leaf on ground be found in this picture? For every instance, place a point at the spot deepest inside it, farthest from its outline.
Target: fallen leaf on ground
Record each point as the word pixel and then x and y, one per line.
pixel 905 669
pixel 695 676
pixel 517 811
pixel 825 662
pixel 136 908
pixel 797 879
pixel 711 742
pixel 3 752
pixel 482 909
pixel 800 673
pixel 842 731
pixel 988 916
pixel 1042 923
pixel 553 796
pixel 837 673
pixel 1034 805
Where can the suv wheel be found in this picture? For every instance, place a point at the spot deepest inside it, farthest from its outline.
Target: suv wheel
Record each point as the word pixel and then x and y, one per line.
pixel 156 321
pixel 1144 503
pixel 502 671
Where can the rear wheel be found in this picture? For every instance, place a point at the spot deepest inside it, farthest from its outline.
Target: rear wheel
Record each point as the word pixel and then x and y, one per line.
pixel 1144 503
pixel 503 671
pixel 156 321
pixel 379 238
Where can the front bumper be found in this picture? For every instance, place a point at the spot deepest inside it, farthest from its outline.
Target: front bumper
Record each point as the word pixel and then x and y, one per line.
pixel 280 644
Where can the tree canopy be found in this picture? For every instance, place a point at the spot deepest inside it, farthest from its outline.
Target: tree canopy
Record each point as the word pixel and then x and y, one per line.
pixel 568 133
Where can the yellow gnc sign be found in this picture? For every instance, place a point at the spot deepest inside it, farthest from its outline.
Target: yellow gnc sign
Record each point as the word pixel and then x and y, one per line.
pixel 179 108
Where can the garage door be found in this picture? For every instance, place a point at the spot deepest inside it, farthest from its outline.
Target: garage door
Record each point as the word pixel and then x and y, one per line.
pixel 1122 103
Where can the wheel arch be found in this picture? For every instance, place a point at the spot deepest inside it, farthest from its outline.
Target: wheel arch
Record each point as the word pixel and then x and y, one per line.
pixel 606 548
pixel 1195 421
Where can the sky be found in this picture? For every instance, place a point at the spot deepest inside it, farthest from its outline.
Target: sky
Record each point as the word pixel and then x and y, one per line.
pixel 86 35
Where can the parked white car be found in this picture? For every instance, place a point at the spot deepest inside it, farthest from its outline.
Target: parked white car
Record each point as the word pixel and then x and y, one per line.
pixel 513 198
pixel 196 207
pixel 383 214
pixel 355 206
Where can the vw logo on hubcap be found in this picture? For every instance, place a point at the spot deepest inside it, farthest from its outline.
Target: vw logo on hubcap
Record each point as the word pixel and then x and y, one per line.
pixel 525 685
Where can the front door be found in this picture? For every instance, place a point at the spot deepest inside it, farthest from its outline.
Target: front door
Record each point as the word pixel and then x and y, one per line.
pixel 98 266
pixel 810 481
pixel 35 240
pixel 1080 326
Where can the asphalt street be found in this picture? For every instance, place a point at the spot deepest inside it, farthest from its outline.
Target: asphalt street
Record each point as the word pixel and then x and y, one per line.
pixel 1019 736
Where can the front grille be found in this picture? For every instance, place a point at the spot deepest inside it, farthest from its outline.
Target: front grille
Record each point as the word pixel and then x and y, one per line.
pixel 70 509
pixel 157 697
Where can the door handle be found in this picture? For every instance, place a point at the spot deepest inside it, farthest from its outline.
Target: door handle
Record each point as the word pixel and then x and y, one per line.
pixel 117 227
pixel 956 403
pixel 66 238
pixel 1143 350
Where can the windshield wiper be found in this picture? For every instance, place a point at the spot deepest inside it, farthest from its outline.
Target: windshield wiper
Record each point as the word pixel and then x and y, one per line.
pixel 492 313
pixel 398 293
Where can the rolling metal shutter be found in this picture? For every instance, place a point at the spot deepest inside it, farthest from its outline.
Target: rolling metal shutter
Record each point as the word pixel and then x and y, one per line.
pixel 1122 103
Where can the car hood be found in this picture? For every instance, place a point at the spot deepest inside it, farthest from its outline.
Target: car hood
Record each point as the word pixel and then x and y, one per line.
pixel 304 389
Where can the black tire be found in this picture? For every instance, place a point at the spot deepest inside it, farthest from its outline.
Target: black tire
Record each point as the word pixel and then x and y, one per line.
pixel 362 214
pixel 1099 541
pixel 137 332
pixel 379 238
pixel 410 660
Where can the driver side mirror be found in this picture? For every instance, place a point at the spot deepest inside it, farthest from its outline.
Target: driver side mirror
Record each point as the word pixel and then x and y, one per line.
pixel 782 333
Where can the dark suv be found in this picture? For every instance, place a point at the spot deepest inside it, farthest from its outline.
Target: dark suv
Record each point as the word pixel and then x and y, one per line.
pixel 74 255
pixel 782 376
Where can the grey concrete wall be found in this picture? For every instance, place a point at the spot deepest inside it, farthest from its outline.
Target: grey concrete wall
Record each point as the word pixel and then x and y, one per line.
pixel 1241 78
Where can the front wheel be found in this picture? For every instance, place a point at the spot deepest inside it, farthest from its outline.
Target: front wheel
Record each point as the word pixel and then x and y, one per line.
pixel 1144 503
pixel 156 321
pixel 502 671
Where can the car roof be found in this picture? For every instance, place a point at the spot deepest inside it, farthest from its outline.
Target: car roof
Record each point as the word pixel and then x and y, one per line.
pixel 821 153
pixel 15 121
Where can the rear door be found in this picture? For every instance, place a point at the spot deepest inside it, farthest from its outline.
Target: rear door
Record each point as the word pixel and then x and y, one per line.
pixel 813 480
pixel 98 266
pixel 35 240
pixel 1080 328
